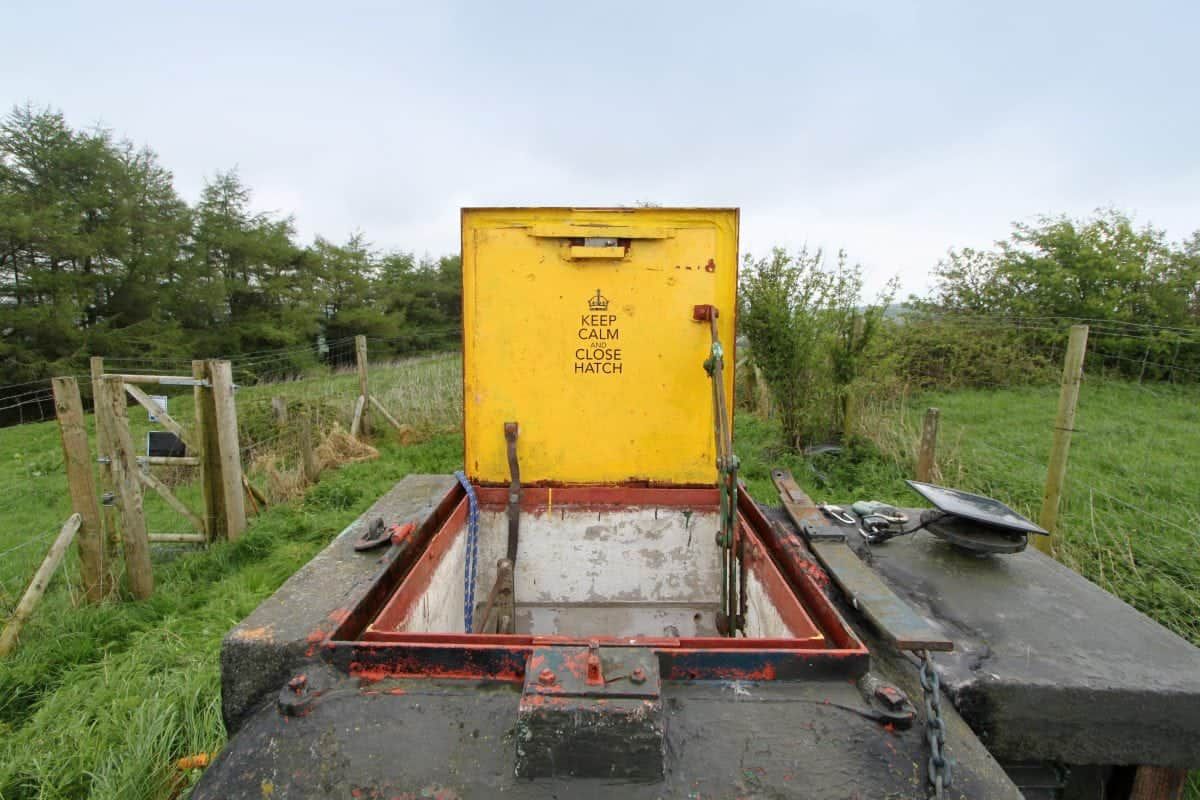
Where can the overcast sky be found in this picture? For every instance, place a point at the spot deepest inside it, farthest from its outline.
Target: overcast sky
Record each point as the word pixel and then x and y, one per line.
pixel 895 130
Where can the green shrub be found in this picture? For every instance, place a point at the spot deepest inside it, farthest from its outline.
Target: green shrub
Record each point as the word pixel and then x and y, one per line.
pixel 810 337
pixel 926 352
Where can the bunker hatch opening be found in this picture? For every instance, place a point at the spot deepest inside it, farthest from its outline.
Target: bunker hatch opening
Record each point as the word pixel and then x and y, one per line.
pixel 618 569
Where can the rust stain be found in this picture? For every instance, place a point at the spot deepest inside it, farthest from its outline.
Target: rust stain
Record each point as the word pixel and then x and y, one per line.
pixel 314 639
pixel 812 570
pixel 263 634
pixel 402 667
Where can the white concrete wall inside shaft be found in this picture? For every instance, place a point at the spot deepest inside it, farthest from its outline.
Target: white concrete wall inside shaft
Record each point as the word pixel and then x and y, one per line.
pixel 440 607
pixel 637 572
pixel 627 572
pixel 625 555
pixel 763 620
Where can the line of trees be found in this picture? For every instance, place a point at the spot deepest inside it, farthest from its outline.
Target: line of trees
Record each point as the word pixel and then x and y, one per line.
pixel 997 317
pixel 1103 268
pixel 99 255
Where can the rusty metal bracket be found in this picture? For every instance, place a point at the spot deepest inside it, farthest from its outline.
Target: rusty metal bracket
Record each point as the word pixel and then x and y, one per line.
pixel 514 490
pixel 499 613
pixel 591 712
pixel 376 535
pixel 297 696
pixel 888 701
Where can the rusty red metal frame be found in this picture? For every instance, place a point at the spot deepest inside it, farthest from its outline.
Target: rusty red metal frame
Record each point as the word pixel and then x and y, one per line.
pixel 823 644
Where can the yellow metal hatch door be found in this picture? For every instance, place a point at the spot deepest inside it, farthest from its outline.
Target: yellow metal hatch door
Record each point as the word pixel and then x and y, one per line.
pixel 578 326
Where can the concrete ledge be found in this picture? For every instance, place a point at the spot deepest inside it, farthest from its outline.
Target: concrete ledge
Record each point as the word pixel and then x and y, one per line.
pixel 1047 665
pixel 267 647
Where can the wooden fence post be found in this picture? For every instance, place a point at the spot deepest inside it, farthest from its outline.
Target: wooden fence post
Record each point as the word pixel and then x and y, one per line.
pixel 360 356
pixel 110 392
pixel 220 375
pixel 112 535
pixel 279 410
pixel 1064 425
pixel 77 461
pixel 210 465
pixel 37 586
pixel 308 456
pixel 927 457
pixel 1158 783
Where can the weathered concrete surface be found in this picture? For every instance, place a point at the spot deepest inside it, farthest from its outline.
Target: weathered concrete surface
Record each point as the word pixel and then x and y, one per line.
pixel 263 651
pixel 417 738
pixel 569 728
pixel 1048 665
pixel 421 737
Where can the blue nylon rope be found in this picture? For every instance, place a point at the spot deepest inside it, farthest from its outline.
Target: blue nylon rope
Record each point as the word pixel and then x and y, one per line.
pixel 472 554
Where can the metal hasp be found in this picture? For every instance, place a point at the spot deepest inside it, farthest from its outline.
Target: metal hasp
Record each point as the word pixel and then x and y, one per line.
pixel 499 612
pixel 591 712
pixel 732 617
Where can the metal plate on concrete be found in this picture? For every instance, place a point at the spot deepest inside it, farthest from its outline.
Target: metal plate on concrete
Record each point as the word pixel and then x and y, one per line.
pixel 892 616
pixel 576 671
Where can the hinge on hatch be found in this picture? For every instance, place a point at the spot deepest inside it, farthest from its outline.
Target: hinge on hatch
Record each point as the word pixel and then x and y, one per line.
pixel 732 616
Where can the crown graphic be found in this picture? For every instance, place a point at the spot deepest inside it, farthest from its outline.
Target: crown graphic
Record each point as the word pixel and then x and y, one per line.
pixel 598 303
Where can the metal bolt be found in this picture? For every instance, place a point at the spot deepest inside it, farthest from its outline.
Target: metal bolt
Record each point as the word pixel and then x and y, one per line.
pixel 594 675
pixel 890 696
pixel 638 675
pixel 547 677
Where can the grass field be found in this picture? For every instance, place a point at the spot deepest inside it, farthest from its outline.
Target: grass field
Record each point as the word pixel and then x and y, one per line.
pixel 100 701
pixel 1130 514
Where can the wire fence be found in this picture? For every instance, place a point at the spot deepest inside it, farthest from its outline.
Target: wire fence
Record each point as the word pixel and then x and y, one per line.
pixel 32 401
pixel 1129 514
pixel 1130 511
pixel 319 382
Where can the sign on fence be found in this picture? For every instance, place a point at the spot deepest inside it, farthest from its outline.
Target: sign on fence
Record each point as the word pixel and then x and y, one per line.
pixel 164 444
pixel 161 401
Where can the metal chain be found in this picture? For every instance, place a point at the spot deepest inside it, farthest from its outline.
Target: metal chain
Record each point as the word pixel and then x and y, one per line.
pixel 935 728
pixel 472 554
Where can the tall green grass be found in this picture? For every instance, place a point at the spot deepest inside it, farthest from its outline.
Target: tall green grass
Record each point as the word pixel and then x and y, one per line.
pixel 100 701
pixel 1130 512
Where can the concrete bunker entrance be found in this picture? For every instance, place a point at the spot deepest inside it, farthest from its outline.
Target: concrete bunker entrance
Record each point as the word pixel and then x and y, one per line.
pixel 595 562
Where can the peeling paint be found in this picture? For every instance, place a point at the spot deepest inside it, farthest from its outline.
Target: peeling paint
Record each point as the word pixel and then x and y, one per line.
pixel 261 634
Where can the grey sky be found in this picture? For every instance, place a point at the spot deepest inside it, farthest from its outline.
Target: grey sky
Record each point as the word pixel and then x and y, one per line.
pixel 892 129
